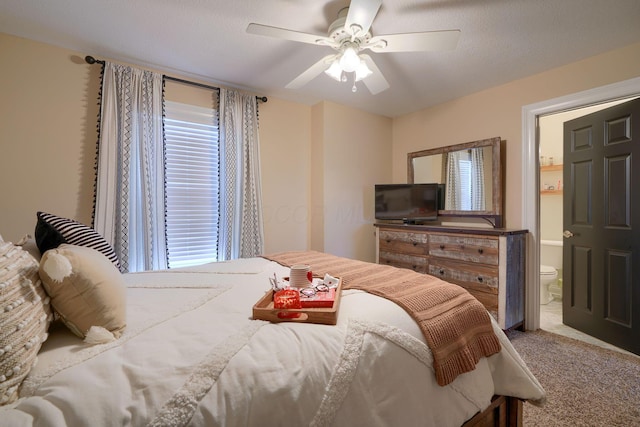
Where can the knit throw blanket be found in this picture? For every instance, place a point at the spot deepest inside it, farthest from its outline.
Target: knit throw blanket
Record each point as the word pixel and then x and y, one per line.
pixel 455 325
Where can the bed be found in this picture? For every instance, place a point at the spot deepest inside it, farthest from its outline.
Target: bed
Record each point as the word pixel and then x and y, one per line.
pixel 192 354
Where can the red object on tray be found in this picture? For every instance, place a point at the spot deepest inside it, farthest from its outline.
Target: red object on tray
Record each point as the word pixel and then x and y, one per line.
pixel 264 309
pixel 287 299
pixel 320 299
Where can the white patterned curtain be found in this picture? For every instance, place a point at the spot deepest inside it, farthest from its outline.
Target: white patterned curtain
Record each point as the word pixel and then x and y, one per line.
pixel 453 191
pixel 129 210
pixel 241 227
pixel 477 180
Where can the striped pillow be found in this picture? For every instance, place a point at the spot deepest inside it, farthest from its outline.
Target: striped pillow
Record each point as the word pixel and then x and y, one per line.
pixel 52 231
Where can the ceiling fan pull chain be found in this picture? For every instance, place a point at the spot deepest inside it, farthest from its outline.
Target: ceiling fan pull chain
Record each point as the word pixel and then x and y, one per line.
pixel 354 89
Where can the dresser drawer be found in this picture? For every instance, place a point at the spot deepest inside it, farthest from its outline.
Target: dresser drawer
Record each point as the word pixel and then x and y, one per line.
pixel 489 264
pixel 480 281
pixel 480 277
pixel 412 262
pixel 490 302
pixel 404 242
pixel 465 248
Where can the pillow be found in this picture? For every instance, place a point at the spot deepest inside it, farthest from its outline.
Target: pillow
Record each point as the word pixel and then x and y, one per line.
pixel 52 231
pixel 86 290
pixel 28 243
pixel 25 315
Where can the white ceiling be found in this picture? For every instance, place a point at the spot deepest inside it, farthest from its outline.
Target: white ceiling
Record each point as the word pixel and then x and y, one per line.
pixel 501 41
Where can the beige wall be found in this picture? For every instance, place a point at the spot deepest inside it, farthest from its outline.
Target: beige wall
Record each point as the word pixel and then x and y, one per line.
pixel 48 116
pixel 498 111
pixel 285 136
pixel 319 163
pixel 354 148
pixel 48 113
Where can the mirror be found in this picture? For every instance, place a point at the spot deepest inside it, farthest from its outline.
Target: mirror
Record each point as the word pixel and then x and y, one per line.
pixel 470 175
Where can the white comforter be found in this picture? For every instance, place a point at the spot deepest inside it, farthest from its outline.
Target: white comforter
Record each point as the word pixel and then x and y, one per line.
pixel 192 355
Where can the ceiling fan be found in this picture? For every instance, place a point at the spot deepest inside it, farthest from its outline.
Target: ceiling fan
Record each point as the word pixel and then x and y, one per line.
pixel 349 35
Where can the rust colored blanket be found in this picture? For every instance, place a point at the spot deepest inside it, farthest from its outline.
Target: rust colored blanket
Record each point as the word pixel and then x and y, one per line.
pixel 455 325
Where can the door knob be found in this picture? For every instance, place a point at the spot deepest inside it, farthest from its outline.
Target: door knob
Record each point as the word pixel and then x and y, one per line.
pixel 567 234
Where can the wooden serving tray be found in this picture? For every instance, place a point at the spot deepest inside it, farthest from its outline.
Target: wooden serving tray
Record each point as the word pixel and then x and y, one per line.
pixel 264 310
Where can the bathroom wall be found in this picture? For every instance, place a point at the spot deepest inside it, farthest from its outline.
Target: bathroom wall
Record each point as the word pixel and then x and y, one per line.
pixel 551 212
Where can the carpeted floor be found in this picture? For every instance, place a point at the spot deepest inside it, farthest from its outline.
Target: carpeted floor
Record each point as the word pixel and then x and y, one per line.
pixel 586 385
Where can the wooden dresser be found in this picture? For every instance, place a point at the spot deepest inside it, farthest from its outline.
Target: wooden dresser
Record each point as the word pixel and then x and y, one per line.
pixel 489 263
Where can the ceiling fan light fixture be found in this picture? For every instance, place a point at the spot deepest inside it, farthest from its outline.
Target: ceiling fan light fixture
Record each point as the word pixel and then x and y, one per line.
pixel 349 35
pixel 334 71
pixel 362 71
pixel 349 61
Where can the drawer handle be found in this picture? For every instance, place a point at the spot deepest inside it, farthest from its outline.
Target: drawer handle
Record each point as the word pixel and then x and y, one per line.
pixel 480 251
pixel 415 243
pixel 388 240
pixel 442 247
pixel 414 267
pixel 442 272
pixel 480 279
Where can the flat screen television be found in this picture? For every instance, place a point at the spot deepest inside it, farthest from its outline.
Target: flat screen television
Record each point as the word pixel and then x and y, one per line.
pixel 407 202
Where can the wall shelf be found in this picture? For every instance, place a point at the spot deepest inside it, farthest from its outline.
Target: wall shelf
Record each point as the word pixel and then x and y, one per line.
pixel 551 168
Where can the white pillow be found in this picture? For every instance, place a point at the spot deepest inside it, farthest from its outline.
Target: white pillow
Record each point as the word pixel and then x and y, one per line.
pixel 25 315
pixel 86 290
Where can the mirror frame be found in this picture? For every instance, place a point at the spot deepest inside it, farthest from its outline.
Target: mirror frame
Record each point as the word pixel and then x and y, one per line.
pixel 495 214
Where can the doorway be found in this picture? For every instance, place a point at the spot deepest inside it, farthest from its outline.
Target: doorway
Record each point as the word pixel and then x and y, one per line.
pixel 551 167
pixel 531 115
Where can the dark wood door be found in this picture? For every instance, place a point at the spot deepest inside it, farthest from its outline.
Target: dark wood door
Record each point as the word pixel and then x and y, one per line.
pixel 601 277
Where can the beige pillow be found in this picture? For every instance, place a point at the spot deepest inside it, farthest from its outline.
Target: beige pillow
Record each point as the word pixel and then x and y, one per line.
pixel 86 289
pixel 25 315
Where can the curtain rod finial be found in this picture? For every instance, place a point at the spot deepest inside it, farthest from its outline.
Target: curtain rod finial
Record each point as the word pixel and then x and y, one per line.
pixel 90 59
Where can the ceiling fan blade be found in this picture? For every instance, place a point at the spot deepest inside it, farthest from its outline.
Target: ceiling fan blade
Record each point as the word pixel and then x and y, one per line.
pixel 311 73
pixel 376 82
pixel 415 42
pixel 296 36
pixel 361 13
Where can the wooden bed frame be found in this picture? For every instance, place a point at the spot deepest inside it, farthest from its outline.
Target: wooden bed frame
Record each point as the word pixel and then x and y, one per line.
pixel 504 411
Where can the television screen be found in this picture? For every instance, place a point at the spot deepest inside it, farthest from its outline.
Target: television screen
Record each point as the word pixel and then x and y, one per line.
pixel 407 202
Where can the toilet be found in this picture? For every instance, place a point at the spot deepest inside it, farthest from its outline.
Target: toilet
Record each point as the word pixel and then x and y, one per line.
pixel 548 279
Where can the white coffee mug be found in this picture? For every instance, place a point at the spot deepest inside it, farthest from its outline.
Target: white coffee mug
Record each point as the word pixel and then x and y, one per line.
pixel 300 276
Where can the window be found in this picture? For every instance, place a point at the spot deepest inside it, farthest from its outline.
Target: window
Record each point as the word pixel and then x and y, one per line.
pixel 464 167
pixel 192 151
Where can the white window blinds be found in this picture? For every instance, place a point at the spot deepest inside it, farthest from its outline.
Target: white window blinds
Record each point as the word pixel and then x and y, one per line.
pixel 192 183
pixel 465 184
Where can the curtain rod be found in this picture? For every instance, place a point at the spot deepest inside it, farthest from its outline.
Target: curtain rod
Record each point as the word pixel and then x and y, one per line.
pixel 91 60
